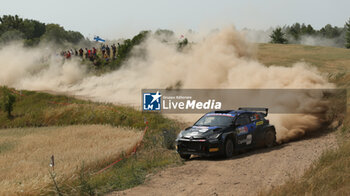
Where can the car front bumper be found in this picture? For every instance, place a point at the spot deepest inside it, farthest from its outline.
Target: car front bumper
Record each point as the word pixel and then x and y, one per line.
pixel 199 147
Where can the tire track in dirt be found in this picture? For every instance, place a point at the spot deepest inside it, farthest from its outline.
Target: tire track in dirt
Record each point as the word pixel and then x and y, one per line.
pixel 244 174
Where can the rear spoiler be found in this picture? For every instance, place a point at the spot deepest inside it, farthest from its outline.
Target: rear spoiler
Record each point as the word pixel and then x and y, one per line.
pixel 266 110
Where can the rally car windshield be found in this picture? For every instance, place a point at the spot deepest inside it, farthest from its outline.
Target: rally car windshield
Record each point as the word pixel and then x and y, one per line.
pixel 215 120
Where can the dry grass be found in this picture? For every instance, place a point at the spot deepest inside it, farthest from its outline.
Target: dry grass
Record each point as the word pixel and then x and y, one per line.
pixel 326 58
pixel 333 62
pixel 35 109
pixel 25 152
pixel 330 175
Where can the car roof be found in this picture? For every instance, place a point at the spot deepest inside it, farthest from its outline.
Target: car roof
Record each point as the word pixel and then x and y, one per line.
pixel 230 112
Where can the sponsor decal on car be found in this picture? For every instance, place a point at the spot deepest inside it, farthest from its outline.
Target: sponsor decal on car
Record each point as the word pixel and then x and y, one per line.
pixel 242 130
pixel 259 123
pixel 213 149
pixel 247 140
pixel 193 133
pixel 201 129
pixel 220 114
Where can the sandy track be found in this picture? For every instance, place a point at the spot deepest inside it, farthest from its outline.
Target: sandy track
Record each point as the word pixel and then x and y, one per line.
pixel 244 174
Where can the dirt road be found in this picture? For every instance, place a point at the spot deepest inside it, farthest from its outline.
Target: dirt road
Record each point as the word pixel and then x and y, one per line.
pixel 244 174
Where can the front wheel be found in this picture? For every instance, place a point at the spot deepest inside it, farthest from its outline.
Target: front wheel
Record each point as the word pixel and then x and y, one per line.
pixel 228 148
pixel 185 156
pixel 270 138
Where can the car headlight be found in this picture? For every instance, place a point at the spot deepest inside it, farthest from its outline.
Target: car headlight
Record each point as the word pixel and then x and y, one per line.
pixel 215 136
pixel 180 135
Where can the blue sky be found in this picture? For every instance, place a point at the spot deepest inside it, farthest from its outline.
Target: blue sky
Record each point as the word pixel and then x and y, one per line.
pixel 125 18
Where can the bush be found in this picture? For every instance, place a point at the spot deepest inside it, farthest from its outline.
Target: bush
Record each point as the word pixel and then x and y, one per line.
pixel 277 36
pixel 12 35
pixel 182 44
pixel 169 136
pixel 7 101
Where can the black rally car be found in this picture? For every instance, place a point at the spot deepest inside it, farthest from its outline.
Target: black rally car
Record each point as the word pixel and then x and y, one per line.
pixel 225 132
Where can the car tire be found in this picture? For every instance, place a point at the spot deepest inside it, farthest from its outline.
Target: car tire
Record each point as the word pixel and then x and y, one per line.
pixel 270 138
pixel 185 156
pixel 228 151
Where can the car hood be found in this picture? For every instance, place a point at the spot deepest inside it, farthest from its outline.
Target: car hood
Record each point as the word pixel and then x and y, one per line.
pixel 199 131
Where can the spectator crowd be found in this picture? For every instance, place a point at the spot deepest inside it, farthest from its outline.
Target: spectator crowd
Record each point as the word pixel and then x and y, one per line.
pixel 106 52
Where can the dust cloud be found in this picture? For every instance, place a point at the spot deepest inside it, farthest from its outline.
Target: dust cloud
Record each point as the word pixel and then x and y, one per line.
pixel 263 36
pixel 221 60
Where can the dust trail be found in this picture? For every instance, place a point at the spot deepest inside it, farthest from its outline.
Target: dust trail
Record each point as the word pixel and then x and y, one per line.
pixel 222 60
pixel 263 36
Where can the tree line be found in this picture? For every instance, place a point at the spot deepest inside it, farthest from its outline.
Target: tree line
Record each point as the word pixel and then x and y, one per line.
pixel 32 31
pixel 293 33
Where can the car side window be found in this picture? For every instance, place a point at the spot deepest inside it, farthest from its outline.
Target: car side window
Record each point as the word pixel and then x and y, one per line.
pixel 243 120
pixel 254 116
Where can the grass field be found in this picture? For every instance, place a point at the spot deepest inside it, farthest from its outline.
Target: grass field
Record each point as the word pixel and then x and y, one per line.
pixel 25 152
pixel 30 148
pixel 334 62
pixel 330 175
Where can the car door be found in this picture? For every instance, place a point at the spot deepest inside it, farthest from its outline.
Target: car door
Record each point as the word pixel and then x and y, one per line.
pixel 258 133
pixel 244 131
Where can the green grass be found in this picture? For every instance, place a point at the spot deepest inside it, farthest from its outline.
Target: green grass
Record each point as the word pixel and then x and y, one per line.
pixel 35 109
pixel 41 109
pixel 132 171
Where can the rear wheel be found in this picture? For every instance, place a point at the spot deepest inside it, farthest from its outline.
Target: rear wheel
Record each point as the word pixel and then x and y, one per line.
pixel 270 138
pixel 228 148
pixel 185 156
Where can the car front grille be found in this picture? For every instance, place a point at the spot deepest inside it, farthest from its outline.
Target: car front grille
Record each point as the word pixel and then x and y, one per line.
pixel 191 146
